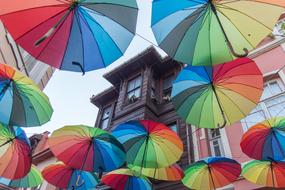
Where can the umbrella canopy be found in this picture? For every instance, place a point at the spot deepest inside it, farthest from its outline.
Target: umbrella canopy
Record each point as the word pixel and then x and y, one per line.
pixel 149 144
pixel 209 32
pixel 211 173
pixel 213 97
pixel 265 140
pixel 15 152
pixel 22 103
pixel 74 35
pixel 170 173
pixel 32 179
pixel 87 148
pixel 63 176
pixel 126 179
pixel 265 173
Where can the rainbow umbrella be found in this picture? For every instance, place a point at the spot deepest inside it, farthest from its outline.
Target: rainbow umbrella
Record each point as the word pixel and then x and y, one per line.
pixel 126 179
pixel 149 144
pixel 74 35
pixel 32 179
pixel 21 102
pixel 211 173
pixel 265 140
pixel 213 97
pixel 170 173
pixel 209 32
pixel 265 173
pixel 87 148
pixel 63 176
pixel 15 152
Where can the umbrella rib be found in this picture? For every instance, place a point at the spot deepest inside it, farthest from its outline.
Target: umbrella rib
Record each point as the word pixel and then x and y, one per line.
pixel 221 85
pixel 51 37
pixel 192 15
pixel 101 14
pixel 69 31
pixel 39 24
pixel 229 8
pixel 35 99
pixel 82 43
pixel 22 10
pixel 257 1
pixel 119 5
pixel 90 17
pixel 234 103
pixel 238 94
pixel 17 93
pixel 86 22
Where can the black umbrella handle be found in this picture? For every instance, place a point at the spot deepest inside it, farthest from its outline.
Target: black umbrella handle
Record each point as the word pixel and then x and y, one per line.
pixel 225 35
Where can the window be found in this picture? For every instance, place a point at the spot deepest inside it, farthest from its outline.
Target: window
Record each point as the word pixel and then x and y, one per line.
pixel 30 61
pixel 105 118
pixel 167 87
pixel 215 142
pixel 173 127
pixel 134 89
pixel 272 104
pixel 279 28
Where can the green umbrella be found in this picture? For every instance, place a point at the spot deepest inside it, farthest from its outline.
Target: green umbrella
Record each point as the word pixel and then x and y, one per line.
pixel 209 32
pixel 22 103
pixel 32 179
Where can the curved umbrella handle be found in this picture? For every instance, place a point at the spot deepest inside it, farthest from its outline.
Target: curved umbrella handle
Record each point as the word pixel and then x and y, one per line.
pixel 225 121
pixel 226 36
pixel 235 53
pixel 78 183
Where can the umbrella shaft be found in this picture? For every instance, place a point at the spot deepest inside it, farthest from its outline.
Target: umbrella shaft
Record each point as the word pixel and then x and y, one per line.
pixel 7 142
pixel 220 106
pixel 213 8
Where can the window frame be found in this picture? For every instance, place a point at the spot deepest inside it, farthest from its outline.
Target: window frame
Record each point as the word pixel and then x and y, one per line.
pixel 102 119
pixel 166 92
pixel 127 98
pixel 217 139
pixel 262 104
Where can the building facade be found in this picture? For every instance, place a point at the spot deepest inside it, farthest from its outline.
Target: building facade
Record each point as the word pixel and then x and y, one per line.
pixel 15 56
pixel 141 90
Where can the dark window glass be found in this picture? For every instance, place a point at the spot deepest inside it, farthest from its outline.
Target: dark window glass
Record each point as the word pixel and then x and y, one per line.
pixel 173 127
pixel 167 86
pixel 134 88
pixel 105 117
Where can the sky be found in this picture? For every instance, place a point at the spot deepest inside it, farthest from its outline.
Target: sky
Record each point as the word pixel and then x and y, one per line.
pixel 70 92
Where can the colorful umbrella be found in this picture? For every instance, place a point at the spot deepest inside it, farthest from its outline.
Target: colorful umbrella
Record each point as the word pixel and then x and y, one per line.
pixel 74 35
pixel 170 173
pixel 87 148
pixel 32 179
pixel 209 32
pixel 21 102
pixel 149 144
pixel 126 179
pixel 213 97
pixel 265 140
pixel 211 173
pixel 66 177
pixel 15 152
pixel 266 173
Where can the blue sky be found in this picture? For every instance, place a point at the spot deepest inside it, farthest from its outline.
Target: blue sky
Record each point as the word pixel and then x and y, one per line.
pixel 70 93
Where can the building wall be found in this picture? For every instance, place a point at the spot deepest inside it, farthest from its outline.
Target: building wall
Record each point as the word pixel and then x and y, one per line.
pixel 13 55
